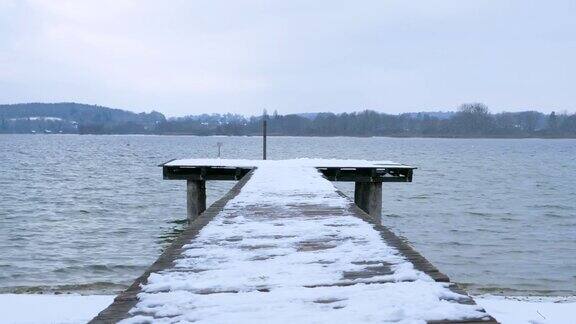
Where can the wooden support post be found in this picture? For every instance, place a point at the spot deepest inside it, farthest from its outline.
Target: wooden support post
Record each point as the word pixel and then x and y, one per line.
pixel 264 121
pixel 195 198
pixel 368 196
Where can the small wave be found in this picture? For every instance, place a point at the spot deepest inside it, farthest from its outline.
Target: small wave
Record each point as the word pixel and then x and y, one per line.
pixel 509 219
pixel 96 288
pixel 456 243
pixel 476 213
pixel 549 206
pixel 420 197
pixel 475 289
pixel 555 215
pixel 99 268
pixel 179 221
pixel 488 230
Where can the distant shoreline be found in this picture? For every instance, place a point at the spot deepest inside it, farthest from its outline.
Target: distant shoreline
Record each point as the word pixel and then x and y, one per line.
pixel 321 136
pixel 472 120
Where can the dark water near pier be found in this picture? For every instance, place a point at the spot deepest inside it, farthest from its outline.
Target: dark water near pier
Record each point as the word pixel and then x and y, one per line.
pixel 90 213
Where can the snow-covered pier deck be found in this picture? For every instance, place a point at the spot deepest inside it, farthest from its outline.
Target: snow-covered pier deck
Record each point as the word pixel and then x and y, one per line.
pixel 285 246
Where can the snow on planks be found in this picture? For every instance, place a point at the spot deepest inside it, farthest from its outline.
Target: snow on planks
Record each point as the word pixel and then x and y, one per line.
pixel 285 246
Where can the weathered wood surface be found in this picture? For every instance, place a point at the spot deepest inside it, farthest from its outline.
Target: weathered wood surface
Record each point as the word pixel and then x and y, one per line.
pixel 195 198
pixel 368 196
pixel 118 310
pixel 262 250
pixel 348 171
pixel 389 174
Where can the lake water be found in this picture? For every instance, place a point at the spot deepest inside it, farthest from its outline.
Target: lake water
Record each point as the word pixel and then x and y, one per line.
pixel 90 213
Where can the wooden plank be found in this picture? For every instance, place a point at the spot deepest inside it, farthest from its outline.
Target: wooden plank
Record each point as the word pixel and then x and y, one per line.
pixel 118 310
pixel 401 245
pixel 365 272
pixel 420 263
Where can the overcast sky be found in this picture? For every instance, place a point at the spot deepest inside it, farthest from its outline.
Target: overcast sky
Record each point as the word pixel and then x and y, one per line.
pixel 190 57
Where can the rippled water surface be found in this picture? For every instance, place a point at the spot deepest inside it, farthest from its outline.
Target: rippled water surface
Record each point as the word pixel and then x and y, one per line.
pixel 90 213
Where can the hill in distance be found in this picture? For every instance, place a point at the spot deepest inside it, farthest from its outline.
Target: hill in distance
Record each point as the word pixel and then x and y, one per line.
pixel 471 120
pixel 69 117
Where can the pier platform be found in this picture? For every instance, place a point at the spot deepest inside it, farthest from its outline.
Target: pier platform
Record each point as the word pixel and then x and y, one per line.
pixel 285 246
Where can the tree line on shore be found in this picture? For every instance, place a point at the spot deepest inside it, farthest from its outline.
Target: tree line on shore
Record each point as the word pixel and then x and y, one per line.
pixel 470 120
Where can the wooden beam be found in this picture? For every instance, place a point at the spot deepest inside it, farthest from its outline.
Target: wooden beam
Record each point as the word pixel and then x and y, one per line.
pixel 195 198
pixel 367 174
pixel 207 173
pixel 368 196
pixel 203 173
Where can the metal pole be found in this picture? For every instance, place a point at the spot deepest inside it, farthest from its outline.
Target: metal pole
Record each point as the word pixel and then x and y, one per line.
pixel 264 135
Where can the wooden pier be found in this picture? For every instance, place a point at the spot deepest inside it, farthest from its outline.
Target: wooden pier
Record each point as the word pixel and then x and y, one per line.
pixel 285 246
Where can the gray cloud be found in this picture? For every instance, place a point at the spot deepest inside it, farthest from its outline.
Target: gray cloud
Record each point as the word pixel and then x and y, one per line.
pixel 187 57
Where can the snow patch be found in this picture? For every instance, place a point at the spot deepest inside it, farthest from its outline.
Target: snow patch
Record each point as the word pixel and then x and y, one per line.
pixel 38 118
pixel 54 309
pixel 530 310
pixel 304 162
pixel 273 254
